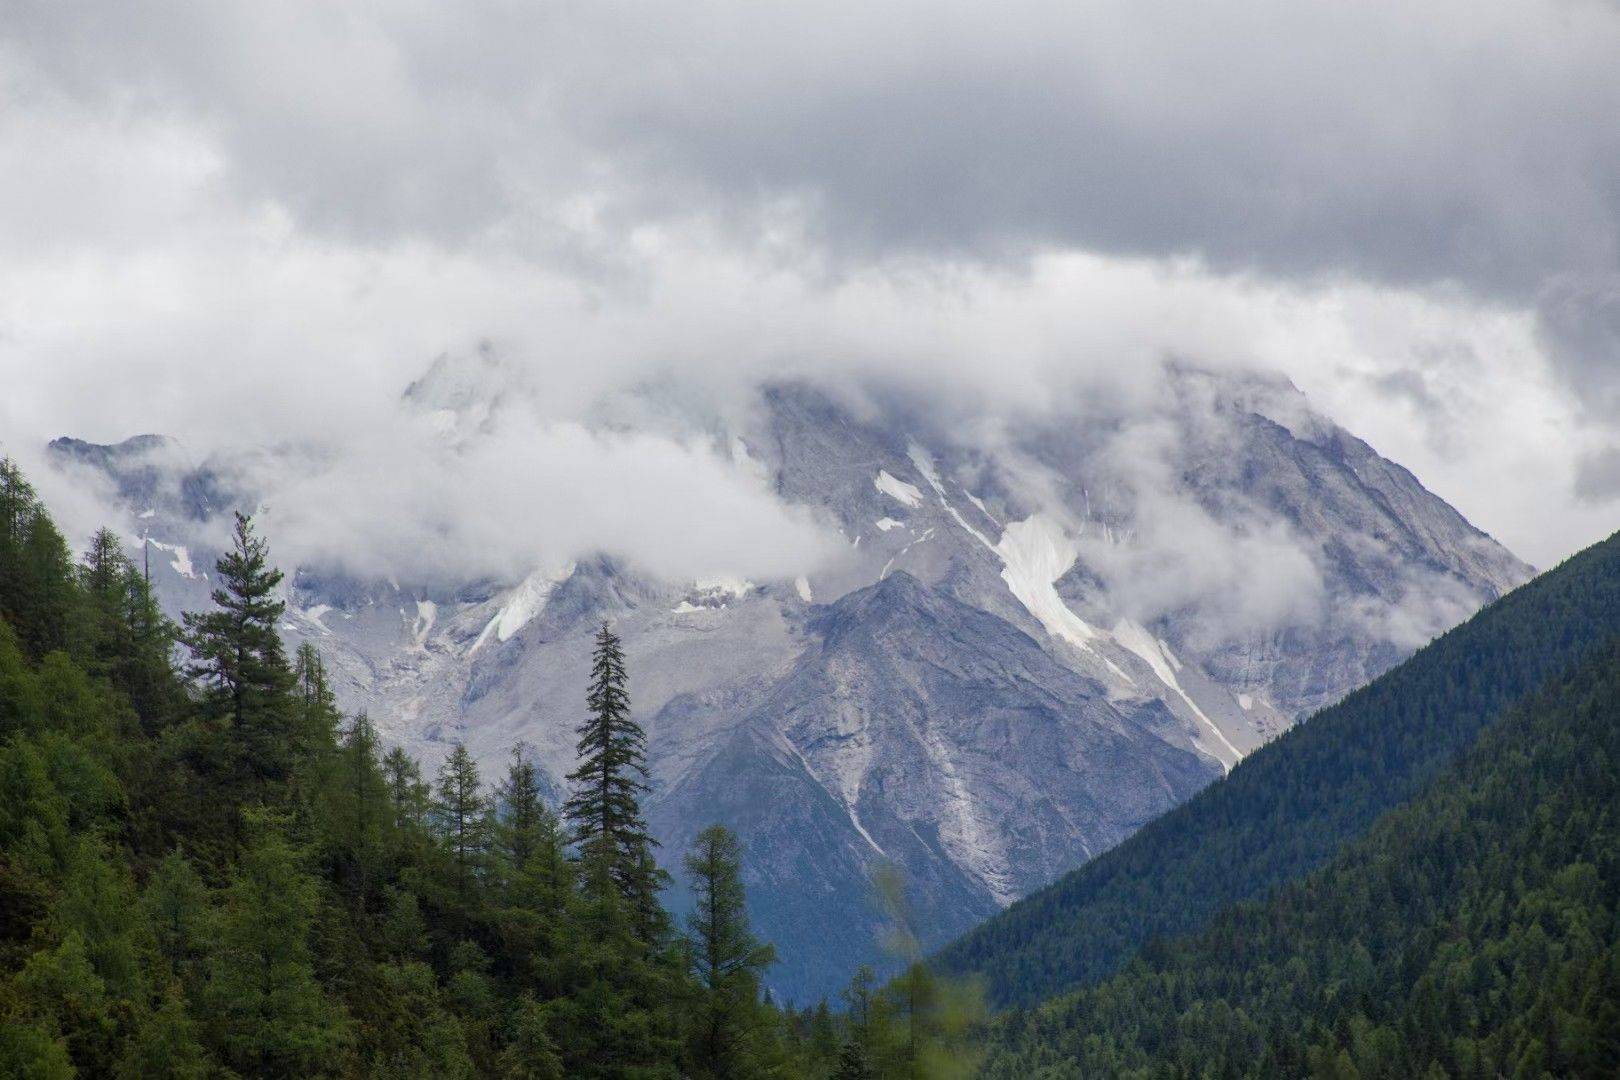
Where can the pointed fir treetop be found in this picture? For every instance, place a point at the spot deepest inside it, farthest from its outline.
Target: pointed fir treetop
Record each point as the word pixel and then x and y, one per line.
pixel 605 809
pixel 523 813
pixel 238 644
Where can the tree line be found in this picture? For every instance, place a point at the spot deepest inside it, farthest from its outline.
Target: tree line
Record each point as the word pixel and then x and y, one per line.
pixel 206 870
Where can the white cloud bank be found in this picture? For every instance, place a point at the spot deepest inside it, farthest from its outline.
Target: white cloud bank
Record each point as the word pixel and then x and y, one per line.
pixel 247 225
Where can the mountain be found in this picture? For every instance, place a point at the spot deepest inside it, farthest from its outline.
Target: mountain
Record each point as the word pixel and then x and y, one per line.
pixel 1473 931
pixel 1041 635
pixel 1290 807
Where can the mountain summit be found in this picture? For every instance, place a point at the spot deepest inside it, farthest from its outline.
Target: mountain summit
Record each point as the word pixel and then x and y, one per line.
pixel 1038 638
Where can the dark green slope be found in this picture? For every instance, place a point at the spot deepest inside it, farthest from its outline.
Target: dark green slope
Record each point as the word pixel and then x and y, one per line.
pixel 1471 933
pixel 1292 805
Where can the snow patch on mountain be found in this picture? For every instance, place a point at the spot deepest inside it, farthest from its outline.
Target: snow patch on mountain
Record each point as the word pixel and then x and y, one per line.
pixel 523 603
pixel 897 489
pixel 734 587
pixel 314 614
pixel 427 613
pixel 182 558
pixel 983 509
pixel 925 465
pixel 1035 553
pixel 1135 637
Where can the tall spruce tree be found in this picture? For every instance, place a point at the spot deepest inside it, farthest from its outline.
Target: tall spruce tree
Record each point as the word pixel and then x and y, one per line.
pixel 605 808
pixel 728 959
pixel 621 1021
pixel 151 680
pixel 238 658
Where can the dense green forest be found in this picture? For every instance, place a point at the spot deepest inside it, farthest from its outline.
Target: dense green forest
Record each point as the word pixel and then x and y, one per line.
pixel 1292 805
pixel 1474 932
pixel 207 870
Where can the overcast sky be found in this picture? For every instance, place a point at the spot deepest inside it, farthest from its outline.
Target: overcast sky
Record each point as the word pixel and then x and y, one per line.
pixel 242 222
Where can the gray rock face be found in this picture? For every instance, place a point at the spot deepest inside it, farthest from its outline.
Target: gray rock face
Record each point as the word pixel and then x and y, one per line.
pixel 918 731
pixel 1038 641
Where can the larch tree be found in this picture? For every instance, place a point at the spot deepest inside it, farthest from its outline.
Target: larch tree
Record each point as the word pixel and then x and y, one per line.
pixel 314 732
pixel 264 1005
pixel 37 593
pixel 727 957
pixel 360 813
pixel 459 814
pixel 107 577
pixel 408 794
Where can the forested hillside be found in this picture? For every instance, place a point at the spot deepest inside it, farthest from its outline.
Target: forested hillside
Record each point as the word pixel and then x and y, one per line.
pixel 1289 808
pixel 1471 933
pixel 206 870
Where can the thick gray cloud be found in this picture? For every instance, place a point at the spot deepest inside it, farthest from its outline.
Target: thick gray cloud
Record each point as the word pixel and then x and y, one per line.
pixel 1579 320
pixel 1597 476
pixel 1412 211
pixel 1462 142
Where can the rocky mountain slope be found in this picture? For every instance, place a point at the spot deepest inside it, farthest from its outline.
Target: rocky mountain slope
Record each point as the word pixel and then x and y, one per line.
pixel 1039 638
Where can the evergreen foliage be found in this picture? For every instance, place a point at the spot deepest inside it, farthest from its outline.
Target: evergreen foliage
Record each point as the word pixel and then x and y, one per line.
pixel 208 871
pixel 1290 806
pixel 1472 933
pixel 605 806
pixel 728 960
pixel 246 706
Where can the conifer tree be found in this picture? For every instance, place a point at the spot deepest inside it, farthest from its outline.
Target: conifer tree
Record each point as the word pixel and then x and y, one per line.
pixel 460 818
pixel 150 678
pixel 176 906
pixel 621 1021
pixel 605 808
pixel 408 794
pixel 727 957
pixel 314 733
pixel 853 1063
pixel 530 841
pixel 534 881
pixel 238 657
pixel 359 809
pixel 860 1006
pixel 37 593
pixel 108 578
pixel 523 817
pixel 530 1052
pixel 266 1011
pixel 822 1039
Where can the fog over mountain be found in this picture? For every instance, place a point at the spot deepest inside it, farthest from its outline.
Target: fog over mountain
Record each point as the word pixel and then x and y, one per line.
pixel 259 223
pixel 984 428
pixel 982 652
